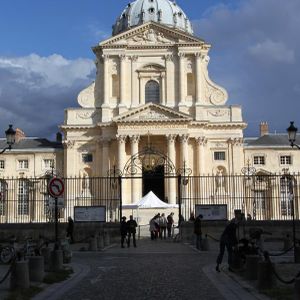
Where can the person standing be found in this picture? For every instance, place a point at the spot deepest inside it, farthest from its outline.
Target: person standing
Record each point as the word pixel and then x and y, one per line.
pixel 162 226
pixel 131 227
pixel 170 222
pixel 123 230
pixel 198 231
pixel 228 240
pixel 70 229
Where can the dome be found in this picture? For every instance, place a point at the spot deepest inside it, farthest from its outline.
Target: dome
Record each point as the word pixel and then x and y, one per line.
pixel 165 12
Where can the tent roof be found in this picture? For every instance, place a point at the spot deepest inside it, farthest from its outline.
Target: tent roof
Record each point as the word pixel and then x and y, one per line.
pixel 149 201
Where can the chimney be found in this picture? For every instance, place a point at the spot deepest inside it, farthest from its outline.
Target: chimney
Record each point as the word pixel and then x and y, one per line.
pixel 264 128
pixel 58 137
pixel 20 135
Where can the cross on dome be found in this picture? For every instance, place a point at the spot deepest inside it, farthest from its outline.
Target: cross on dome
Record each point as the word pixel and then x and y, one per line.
pixel 165 12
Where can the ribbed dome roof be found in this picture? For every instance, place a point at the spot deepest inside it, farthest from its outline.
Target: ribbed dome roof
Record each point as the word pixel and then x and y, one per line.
pixel 165 12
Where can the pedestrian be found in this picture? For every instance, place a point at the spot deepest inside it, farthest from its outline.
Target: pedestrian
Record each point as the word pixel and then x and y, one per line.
pixel 131 228
pixel 152 228
pixel 192 217
pixel 162 226
pixel 156 223
pixel 170 222
pixel 180 220
pixel 70 229
pixel 228 240
pixel 198 231
pixel 124 231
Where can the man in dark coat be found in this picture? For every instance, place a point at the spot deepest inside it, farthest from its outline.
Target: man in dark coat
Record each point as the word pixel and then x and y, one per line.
pixel 70 229
pixel 131 227
pixel 123 230
pixel 228 240
pixel 198 232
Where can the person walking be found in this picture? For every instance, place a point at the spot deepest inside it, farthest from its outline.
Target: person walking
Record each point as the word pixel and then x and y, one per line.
pixel 228 240
pixel 198 231
pixel 124 231
pixel 131 227
pixel 170 222
pixel 162 226
pixel 70 229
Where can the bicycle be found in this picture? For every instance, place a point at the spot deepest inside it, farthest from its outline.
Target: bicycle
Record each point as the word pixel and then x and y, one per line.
pixel 8 252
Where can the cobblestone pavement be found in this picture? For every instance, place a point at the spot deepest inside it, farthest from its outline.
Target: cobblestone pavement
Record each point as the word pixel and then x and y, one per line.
pixel 153 270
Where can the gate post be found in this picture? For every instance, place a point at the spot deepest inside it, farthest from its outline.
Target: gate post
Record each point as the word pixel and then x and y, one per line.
pixel 179 200
pixel 120 196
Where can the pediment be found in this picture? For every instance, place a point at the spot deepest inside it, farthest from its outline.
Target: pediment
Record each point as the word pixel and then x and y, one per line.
pixel 151 34
pixel 152 113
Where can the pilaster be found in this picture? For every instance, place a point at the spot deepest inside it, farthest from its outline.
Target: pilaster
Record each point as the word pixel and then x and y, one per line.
pixel 136 187
pixel 172 156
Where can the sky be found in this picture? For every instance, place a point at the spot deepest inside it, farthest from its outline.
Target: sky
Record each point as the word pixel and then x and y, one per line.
pixel 46 57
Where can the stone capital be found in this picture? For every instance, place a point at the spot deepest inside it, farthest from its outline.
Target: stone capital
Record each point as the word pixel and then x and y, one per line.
pixel 171 138
pixel 181 55
pixel 134 139
pixel 105 57
pixel 68 144
pixel 134 58
pixel 198 55
pixel 122 57
pixel 169 57
pixel 121 139
pixel 201 140
pixel 184 138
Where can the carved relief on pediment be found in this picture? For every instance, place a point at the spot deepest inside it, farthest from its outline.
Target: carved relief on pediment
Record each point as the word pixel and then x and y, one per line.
pixel 149 115
pixel 86 97
pixel 150 36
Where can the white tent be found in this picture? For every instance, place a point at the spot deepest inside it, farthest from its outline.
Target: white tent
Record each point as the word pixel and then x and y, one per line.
pixel 149 201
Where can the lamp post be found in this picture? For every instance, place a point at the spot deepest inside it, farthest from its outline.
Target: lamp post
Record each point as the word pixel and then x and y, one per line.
pixel 292 133
pixel 10 138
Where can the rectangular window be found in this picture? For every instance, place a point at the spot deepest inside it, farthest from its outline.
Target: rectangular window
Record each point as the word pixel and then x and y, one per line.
pixel 23 197
pixel 3 192
pixel 219 155
pixel 48 163
pixel 87 158
pixel 259 160
pixel 2 164
pixel 23 164
pixel 285 160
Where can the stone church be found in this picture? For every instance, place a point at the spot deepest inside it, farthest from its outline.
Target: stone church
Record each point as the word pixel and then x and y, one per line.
pixel 153 91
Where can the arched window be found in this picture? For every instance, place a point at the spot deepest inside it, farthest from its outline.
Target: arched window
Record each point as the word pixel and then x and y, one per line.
pixel 3 197
pixel 152 93
pixel 23 197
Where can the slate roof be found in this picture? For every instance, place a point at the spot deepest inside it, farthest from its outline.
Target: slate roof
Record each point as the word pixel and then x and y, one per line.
pixel 32 143
pixel 269 140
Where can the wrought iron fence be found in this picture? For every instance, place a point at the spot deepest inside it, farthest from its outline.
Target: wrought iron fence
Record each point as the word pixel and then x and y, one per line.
pixel 261 197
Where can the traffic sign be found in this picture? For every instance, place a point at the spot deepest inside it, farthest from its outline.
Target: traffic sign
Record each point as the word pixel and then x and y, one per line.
pixel 56 187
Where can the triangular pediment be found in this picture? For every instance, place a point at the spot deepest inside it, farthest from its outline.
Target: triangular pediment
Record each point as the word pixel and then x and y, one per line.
pixel 151 112
pixel 150 34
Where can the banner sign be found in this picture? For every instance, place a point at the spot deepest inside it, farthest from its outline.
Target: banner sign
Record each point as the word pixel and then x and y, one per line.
pixel 212 212
pixel 89 214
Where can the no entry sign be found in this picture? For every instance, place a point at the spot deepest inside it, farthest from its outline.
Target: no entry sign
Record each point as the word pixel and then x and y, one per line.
pixel 56 187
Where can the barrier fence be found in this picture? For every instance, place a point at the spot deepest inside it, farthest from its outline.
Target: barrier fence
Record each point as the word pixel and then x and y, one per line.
pixel 260 197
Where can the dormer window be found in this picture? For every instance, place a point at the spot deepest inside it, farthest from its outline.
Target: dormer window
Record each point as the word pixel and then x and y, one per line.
pixel 180 14
pixel 151 10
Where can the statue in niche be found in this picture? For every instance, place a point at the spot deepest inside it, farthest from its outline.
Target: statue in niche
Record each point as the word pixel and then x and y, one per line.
pixel 220 181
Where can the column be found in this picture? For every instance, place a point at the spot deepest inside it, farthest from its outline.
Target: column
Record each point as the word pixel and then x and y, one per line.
pixel 134 80
pixel 201 142
pixel 172 157
pixel 170 81
pixel 106 80
pixel 135 182
pixel 163 89
pixel 122 80
pixel 121 163
pixel 198 78
pixel 140 90
pixel 184 150
pixel 182 79
pixel 105 156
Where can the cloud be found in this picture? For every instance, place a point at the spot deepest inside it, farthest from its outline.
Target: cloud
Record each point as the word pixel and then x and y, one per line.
pixel 35 90
pixel 254 56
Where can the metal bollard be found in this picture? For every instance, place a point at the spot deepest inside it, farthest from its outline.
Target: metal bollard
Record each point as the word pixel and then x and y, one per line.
pixel 20 275
pixel 46 253
pixel 56 260
pixel 106 239
pixel 93 244
pixel 297 289
pixel 252 266
pixel 205 244
pixel 265 276
pixel 100 241
pixel 36 268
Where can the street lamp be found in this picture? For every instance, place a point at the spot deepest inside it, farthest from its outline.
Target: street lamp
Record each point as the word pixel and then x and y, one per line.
pixel 292 133
pixel 10 138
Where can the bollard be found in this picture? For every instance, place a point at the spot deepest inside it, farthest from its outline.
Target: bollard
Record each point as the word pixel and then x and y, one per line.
pixel 252 266
pixel 106 239
pixel 36 268
pixel 56 260
pixel 100 241
pixel 265 276
pixel 20 275
pixel 297 289
pixel 297 254
pixel 93 244
pixel 46 253
pixel 205 244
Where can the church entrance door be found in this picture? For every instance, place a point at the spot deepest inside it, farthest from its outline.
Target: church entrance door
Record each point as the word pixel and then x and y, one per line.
pixel 154 180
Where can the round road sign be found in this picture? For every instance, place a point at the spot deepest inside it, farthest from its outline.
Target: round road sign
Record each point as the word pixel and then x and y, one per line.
pixel 56 187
